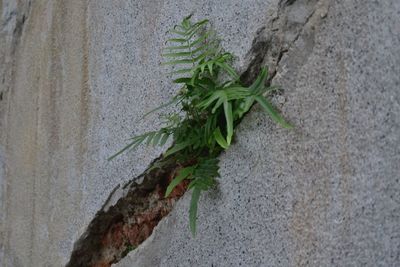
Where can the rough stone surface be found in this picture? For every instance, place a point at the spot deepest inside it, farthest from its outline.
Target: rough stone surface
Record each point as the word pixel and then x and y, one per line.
pixel 76 76
pixel 327 193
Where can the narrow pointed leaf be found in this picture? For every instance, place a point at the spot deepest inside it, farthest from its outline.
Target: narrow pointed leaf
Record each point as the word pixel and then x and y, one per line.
pixel 183 174
pixel 208 101
pixel 193 210
pixel 245 106
pixel 122 150
pixel 177 40
pixel 258 84
pixel 149 138
pixel 210 67
pixel 228 69
pixel 272 112
pixel 178 147
pixel 201 38
pixel 180 47
pixel 183 80
pixel 156 138
pixel 173 100
pixel 202 67
pixel 179 61
pixel 221 100
pixel 229 121
pixel 164 139
pixel 220 139
pixel 178 32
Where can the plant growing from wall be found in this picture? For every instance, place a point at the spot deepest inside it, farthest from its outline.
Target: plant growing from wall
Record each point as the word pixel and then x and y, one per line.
pixel 212 100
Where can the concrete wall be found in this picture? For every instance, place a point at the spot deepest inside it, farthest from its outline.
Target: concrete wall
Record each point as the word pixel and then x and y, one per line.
pixel 75 76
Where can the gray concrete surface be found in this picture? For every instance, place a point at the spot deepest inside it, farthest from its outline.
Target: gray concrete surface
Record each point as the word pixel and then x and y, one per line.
pixel 325 194
pixel 75 76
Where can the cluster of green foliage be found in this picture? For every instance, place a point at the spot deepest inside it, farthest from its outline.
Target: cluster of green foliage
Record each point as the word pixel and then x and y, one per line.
pixel 213 101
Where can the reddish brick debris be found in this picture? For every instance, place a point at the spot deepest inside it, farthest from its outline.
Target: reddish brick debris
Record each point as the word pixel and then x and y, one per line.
pixel 131 232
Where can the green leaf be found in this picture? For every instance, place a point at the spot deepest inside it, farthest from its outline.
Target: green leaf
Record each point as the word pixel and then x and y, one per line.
pixel 244 106
pixel 214 96
pixel 178 147
pixel 210 67
pixel 179 61
pixel 207 82
pixel 150 138
pixel 221 100
pixel 173 100
pixel 185 53
pixel 220 139
pixel 210 126
pixel 229 121
pixel 193 210
pixel 202 67
pixel 183 174
pixel 272 112
pixel 132 144
pixel 156 138
pixel 178 32
pixel 198 25
pixel 185 80
pixel 164 139
pixel 158 165
pixel 257 86
pixel 228 69
pixel 201 38
pixel 179 47
pixel 177 40
pixel 197 59
pixel 186 22
pixel 136 141
pixel 236 92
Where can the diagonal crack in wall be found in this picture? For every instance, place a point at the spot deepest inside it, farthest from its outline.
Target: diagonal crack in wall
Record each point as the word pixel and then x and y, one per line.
pixel 131 212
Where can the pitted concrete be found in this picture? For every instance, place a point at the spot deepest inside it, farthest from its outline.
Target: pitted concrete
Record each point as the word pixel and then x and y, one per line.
pixel 325 194
pixel 76 77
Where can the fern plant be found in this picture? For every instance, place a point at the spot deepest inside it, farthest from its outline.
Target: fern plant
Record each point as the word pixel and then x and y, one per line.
pixel 213 100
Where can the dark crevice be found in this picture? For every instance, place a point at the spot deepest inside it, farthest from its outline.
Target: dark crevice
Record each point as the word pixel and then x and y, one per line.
pixel 284 3
pixel 259 48
pixel 118 228
pixel 130 221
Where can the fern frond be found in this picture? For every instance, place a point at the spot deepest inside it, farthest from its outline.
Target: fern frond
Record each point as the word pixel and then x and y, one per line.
pixel 203 177
pixel 150 138
pixel 178 147
pixel 174 100
pixel 206 168
pixel 193 210
pixel 193 44
pixel 212 107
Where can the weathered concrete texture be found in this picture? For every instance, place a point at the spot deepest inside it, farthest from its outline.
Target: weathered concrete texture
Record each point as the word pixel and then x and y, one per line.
pixel 75 77
pixel 327 193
